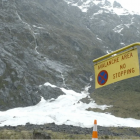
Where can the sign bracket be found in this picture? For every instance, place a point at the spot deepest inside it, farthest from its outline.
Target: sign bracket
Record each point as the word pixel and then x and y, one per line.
pixel 117 51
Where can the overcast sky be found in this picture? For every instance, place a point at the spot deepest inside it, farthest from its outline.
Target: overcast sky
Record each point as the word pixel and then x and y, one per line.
pixel 133 5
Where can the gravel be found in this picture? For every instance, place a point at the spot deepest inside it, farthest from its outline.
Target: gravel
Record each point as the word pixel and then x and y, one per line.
pixel 69 129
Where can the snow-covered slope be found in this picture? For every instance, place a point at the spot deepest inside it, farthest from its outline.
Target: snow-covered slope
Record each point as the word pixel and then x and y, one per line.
pixel 105 5
pixel 66 109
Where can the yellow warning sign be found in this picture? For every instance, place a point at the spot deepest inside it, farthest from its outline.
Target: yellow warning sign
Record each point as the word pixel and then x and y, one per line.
pixel 116 68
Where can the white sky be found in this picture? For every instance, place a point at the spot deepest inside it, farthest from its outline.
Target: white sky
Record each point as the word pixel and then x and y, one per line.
pixel 133 5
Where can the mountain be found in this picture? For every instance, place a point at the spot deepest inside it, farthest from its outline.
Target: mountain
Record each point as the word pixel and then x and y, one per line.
pixel 55 41
pixel 112 24
pixel 40 44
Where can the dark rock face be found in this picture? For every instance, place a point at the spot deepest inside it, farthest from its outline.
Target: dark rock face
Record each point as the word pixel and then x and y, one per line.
pixel 38 45
pixel 117 5
pixel 48 92
pixel 15 52
pixel 51 41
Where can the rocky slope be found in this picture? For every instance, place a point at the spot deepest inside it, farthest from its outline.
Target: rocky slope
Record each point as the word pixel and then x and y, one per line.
pixel 56 41
pixel 52 131
pixel 39 44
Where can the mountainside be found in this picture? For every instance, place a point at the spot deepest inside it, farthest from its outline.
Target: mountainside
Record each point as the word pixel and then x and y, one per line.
pixel 55 41
pixel 40 44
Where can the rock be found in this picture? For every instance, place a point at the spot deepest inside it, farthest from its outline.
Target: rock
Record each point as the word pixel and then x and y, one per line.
pixel 41 127
pixel 49 92
pixel 37 134
pixel 27 123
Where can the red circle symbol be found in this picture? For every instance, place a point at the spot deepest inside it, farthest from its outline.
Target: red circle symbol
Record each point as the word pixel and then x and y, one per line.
pixel 102 77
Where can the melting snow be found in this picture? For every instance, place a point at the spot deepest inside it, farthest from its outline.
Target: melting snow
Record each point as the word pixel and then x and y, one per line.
pixel 98 38
pixel 108 51
pixel 118 29
pixel 121 11
pixel 66 109
pixel 122 43
pixel 99 12
pixel 128 25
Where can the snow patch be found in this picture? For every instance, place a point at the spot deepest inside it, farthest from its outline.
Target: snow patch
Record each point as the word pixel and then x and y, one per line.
pixel 30 29
pixel 105 5
pixel 118 29
pixel 122 43
pixel 66 109
pixel 108 51
pixel 38 27
pixel 98 38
